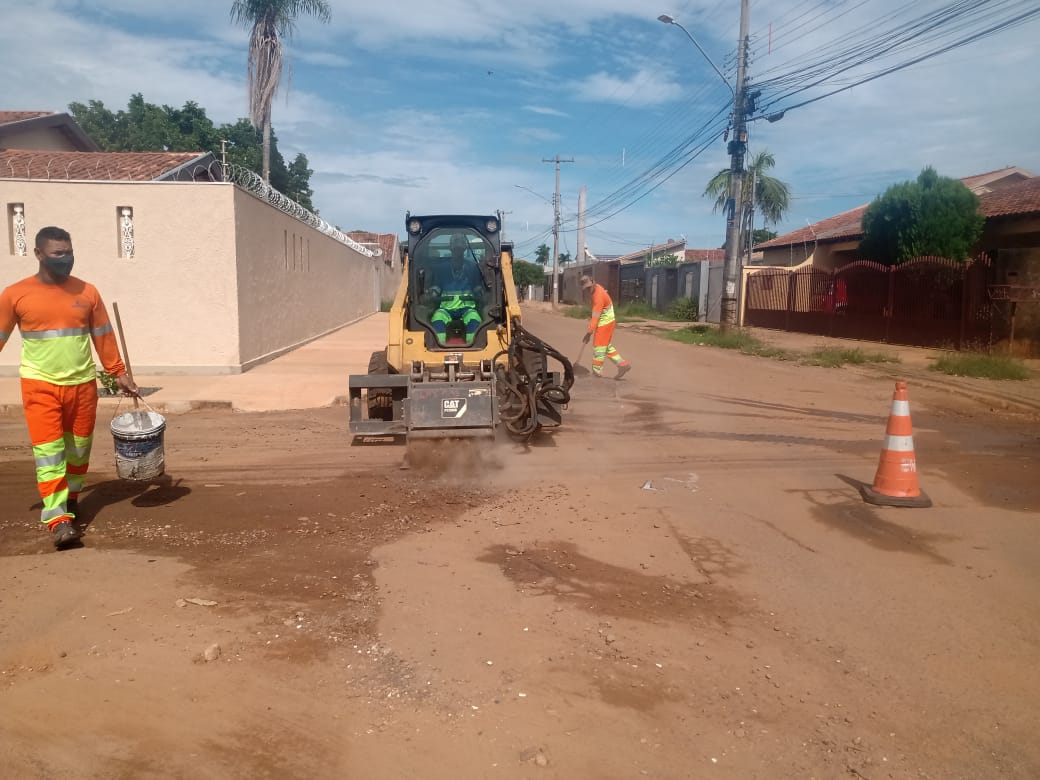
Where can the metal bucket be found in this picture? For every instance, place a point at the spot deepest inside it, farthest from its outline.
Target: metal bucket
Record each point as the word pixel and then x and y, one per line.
pixel 138 437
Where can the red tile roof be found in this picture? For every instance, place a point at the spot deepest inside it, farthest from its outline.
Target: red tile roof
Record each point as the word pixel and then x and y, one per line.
pixel 1021 197
pixel 980 180
pixel 107 166
pixel 712 255
pixel 386 241
pixel 844 225
pixel 6 117
pixel 657 249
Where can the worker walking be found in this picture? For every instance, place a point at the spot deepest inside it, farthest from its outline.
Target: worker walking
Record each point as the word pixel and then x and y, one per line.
pixel 602 327
pixel 58 316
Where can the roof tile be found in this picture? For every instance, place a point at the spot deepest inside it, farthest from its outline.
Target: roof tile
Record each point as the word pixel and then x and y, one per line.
pixel 6 117
pixel 105 166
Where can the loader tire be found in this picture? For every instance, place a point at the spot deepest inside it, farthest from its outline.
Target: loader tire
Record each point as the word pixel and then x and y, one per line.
pixel 380 402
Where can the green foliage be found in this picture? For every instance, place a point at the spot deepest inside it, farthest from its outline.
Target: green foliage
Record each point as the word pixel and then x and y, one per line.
pixel 578 312
pixel 741 340
pixel 146 127
pixel 108 383
pixel 541 254
pixel 565 257
pixel 683 310
pixel 934 215
pixel 835 357
pixel 772 197
pixel 525 273
pixel 386 305
pixel 663 261
pixel 762 235
pixel 980 364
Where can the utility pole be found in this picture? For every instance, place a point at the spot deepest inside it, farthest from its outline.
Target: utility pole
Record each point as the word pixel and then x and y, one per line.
pixel 556 233
pixel 735 204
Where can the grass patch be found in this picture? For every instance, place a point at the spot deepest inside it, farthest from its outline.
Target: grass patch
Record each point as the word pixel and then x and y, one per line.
pixel 386 305
pixel 625 312
pixel 835 357
pixel 979 364
pixel 740 340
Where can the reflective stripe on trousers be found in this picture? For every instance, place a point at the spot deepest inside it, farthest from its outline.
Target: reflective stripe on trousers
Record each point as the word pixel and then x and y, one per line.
pixel 61 421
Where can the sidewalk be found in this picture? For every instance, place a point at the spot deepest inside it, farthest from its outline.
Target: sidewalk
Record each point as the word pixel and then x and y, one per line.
pixel 315 375
pixel 311 376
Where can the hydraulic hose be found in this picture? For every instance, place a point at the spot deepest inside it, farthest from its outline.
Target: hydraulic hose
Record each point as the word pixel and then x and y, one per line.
pixel 523 391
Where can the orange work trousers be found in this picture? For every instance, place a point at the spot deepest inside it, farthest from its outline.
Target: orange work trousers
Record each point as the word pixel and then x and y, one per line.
pixel 602 348
pixel 61 421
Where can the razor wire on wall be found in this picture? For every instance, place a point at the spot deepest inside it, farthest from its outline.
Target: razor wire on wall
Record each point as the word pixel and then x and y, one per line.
pixel 249 181
pixel 66 168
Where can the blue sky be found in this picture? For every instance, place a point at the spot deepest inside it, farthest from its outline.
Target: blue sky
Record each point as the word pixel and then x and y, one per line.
pixel 452 106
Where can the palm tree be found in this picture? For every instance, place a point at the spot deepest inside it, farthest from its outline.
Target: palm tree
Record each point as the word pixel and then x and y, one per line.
pixel 771 197
pixel 271 20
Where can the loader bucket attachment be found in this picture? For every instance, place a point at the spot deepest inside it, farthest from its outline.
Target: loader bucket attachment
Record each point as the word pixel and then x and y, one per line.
pixel 377 404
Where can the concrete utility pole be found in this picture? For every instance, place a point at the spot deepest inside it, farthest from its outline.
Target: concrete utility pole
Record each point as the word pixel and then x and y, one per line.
pixel 556 232
pixel 735 204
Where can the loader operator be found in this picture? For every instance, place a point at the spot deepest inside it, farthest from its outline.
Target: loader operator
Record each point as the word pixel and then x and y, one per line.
pixel 458 288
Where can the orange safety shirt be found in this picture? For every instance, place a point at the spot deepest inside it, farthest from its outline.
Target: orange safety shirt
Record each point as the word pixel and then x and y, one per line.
pixel 602 308
pixel 58 323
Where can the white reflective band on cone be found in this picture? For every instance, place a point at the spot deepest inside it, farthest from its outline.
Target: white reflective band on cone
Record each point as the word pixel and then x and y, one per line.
pixel 900 408
pixel 899 443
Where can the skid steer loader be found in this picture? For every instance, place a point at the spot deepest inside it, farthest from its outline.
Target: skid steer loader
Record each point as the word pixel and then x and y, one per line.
pixel 458 361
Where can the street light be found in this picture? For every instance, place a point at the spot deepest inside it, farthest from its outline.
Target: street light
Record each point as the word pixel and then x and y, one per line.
pixel 669 20
pixel 735 202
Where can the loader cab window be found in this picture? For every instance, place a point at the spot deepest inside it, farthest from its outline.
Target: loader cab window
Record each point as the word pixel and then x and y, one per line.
pixel 450 277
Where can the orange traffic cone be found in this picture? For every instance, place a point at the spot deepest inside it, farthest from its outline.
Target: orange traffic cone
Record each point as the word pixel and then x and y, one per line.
pixel 895 483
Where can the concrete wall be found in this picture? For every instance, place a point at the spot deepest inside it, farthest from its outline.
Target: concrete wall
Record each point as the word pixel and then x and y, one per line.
pixel 294 283
pixel 213 286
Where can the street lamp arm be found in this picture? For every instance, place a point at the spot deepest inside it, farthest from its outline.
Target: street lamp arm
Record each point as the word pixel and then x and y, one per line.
pixel 669 20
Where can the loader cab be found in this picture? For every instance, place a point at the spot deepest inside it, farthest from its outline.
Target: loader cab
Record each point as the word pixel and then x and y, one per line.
pixel 455 292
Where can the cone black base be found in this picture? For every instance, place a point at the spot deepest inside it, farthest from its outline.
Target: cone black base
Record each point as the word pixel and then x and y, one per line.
pixel 873 497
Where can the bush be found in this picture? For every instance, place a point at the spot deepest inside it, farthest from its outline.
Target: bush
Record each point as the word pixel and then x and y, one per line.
pixel 683 310
pixel 835 357
pixel 980 365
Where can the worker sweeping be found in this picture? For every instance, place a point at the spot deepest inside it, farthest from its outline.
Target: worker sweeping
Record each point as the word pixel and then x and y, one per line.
pixel 58 316
pixel 602 326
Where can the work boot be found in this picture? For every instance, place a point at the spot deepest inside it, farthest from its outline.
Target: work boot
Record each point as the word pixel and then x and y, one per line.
pixel 65 534
pixel 622 370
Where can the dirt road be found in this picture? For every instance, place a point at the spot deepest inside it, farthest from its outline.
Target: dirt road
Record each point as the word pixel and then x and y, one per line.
pixel 681 583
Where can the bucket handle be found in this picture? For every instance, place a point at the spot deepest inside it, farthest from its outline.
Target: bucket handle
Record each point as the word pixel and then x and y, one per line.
pixel 136 398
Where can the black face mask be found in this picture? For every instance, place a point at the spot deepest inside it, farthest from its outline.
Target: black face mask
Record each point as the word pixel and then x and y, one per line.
pixel 59 267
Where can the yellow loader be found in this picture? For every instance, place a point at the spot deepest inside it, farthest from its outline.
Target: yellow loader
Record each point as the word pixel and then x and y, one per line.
pixel 458 361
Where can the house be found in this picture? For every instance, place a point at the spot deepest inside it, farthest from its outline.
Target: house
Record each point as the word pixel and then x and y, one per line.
pixel 213 273
pixel 974 302
pixel 834 242
pixel 43 130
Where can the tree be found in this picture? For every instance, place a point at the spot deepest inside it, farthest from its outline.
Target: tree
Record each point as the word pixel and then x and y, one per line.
pixel 270 20
pixel 541 254
pixel 146 127
pixel 525 273
pixel 772 197
pixel 934 215
pixel 761 235
pixel 565 257
pixel 299 188
pixel 663 261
